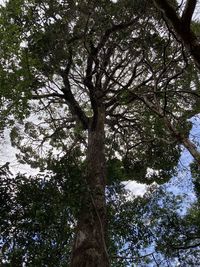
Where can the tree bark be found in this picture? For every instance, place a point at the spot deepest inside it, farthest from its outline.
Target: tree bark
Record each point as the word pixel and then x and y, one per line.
pixel 89 246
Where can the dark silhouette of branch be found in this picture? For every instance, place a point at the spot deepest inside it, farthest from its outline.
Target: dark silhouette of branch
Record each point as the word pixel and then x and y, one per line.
pixel 187 246
pixel 69 97
pixel 182 26
pixel 188 12
pixel 35 97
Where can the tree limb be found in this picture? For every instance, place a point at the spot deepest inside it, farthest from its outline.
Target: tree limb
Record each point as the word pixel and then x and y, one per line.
pixel 187 246
pixel 35 97
pixel 69 97
pixel 174 132
pixel 188 12
pixel 182 30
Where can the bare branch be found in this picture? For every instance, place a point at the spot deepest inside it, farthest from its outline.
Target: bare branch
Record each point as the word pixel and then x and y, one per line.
pixel 35 97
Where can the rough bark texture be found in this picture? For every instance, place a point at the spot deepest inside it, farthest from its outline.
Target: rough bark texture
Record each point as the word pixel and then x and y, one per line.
pixel 89 247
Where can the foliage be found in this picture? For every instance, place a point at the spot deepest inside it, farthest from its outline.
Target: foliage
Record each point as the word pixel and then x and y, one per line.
pixel 45 83
pixel 38 215
pixel 37 225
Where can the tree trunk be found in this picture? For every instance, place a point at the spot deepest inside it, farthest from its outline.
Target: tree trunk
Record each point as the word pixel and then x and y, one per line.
pixel 89 246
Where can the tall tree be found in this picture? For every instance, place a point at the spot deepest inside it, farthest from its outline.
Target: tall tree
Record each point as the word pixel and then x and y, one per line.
pixel 104 78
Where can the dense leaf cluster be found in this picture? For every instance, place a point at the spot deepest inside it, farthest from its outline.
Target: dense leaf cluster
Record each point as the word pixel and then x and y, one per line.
pixel 38 216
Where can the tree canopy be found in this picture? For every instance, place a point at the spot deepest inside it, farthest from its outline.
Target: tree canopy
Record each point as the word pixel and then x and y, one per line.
pixel 60 65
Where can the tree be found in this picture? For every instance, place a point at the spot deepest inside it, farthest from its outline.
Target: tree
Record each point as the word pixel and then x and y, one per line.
pixel 103 79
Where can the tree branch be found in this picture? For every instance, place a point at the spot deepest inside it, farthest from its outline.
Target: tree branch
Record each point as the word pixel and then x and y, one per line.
pixel 88 79
pixel 69 97
pixel 182 30
pixel 73 104
pixel 187 246
pixel 172 129
pixel 113 29
pixel 188 12
pixel 35 97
